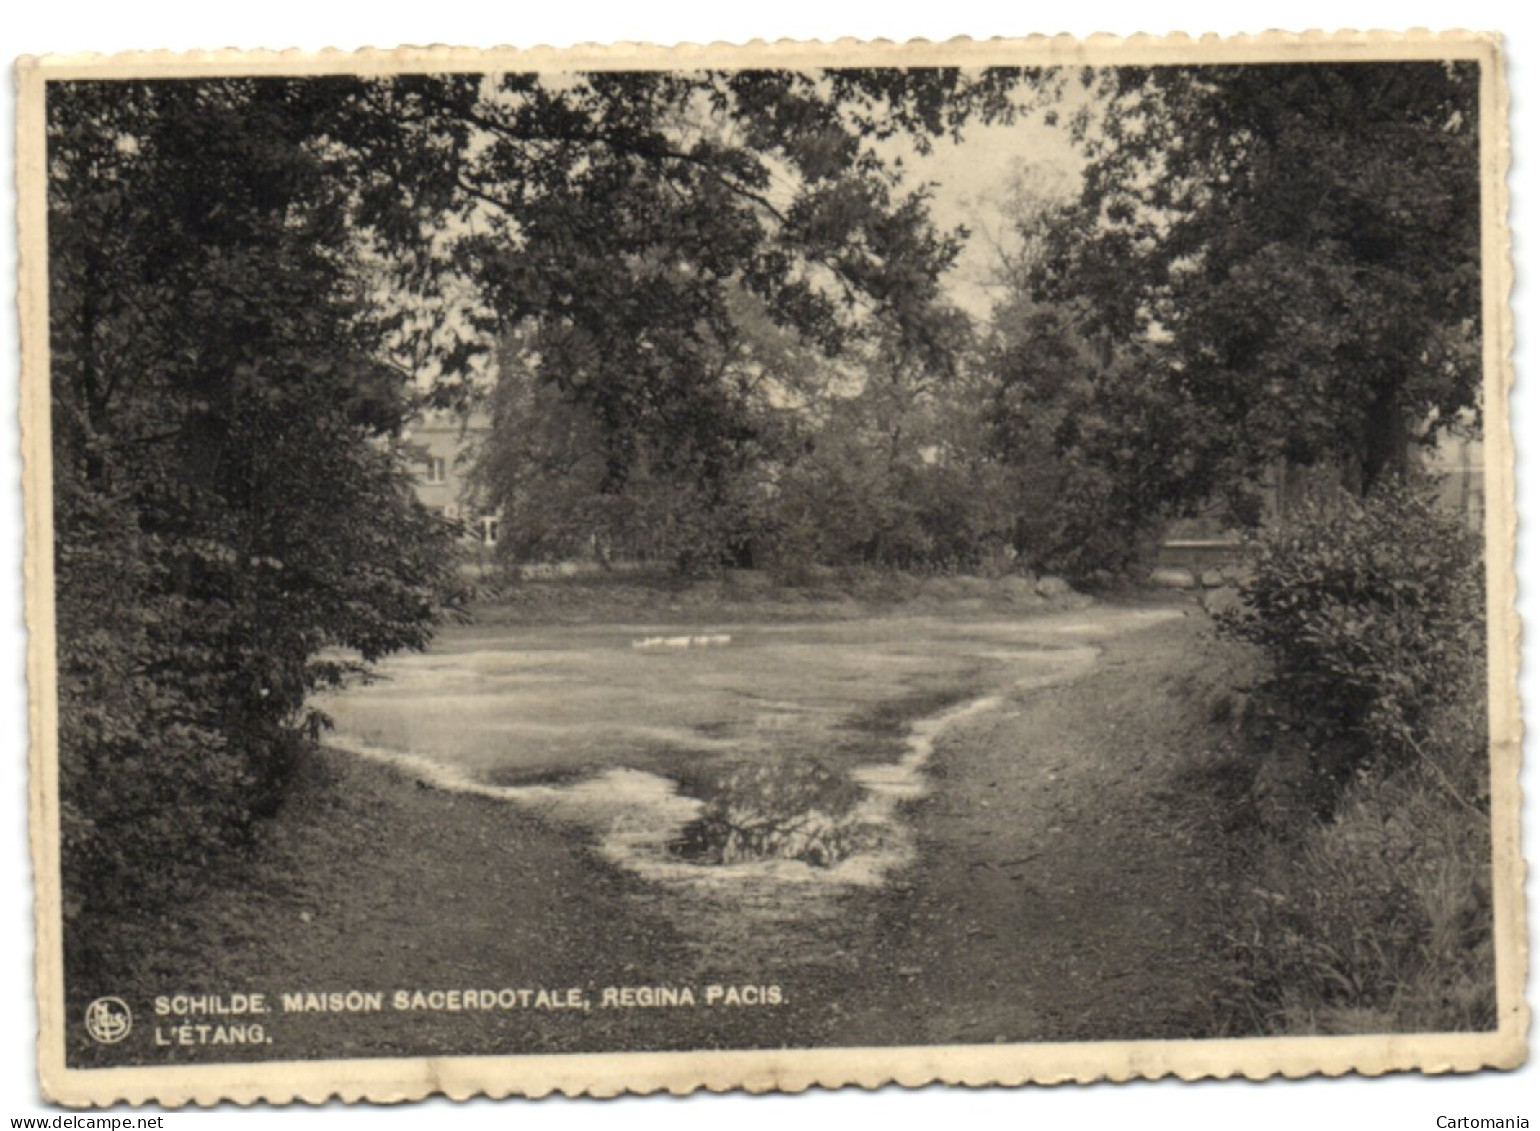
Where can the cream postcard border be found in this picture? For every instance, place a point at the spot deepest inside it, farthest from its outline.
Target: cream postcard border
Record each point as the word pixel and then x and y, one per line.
pixel 606 1074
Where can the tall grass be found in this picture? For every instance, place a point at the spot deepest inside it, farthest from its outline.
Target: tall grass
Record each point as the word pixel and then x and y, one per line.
pixel 1377 920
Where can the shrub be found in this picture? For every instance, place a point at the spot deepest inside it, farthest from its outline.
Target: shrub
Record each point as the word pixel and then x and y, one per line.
pixel 1376 917
pixel 1371 614
pixel 1090 529
pixel 786 808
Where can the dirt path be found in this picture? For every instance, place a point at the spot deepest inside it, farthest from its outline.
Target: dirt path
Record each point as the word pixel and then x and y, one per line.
pixel 1062 893
pixel 1056 895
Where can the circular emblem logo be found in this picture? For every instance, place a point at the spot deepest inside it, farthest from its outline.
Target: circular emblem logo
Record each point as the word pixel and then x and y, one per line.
pixel 108 1020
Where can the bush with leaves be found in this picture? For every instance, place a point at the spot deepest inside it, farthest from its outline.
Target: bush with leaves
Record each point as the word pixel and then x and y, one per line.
pixel 229 512
pixel 1371 612
pixel 786 808
pixel 1376 915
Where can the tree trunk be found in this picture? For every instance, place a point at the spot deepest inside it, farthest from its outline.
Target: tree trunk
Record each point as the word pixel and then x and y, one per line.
pixel 1386 444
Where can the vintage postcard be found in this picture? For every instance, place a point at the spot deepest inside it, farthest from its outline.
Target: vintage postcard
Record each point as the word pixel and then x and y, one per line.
pixel 638 569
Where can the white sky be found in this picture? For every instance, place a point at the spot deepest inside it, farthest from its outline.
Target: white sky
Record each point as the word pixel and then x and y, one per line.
pixel 973 180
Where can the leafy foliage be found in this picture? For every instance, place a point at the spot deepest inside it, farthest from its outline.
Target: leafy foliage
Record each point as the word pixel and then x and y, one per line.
pixel 1363 822
pixel 1378 917
pixel 873 460
pixel 678 256
pixel 1083 439
pixel 1292 252
pixel 786 808
pixel 1379 921
pixel 893 474
pixel 1372 615
pixel 227 513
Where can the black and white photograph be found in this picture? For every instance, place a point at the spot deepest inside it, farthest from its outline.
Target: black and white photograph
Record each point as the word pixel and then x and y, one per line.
pixel 960 564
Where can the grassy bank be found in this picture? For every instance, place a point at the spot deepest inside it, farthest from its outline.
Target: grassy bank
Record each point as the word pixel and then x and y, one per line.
pixel 752 596
pixel 1070 889
pixel 367 881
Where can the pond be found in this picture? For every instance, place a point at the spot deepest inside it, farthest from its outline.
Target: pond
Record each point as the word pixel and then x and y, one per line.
pixel 749 773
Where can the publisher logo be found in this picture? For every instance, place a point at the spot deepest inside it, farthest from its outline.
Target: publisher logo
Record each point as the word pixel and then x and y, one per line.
pixel 108 1020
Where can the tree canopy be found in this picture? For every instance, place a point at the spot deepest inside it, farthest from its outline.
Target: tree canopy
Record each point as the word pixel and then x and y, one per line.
pixel 646 238
pixel 225 510
pixel 1293 251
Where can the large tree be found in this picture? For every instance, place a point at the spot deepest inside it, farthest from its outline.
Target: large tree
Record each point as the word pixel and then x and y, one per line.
pixel 1291 250
pixel 228 509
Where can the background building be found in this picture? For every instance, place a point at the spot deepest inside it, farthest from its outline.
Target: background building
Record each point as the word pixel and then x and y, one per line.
pixel 443 446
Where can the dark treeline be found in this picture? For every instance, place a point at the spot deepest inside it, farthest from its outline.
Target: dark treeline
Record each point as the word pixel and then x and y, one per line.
pixel 1263 266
